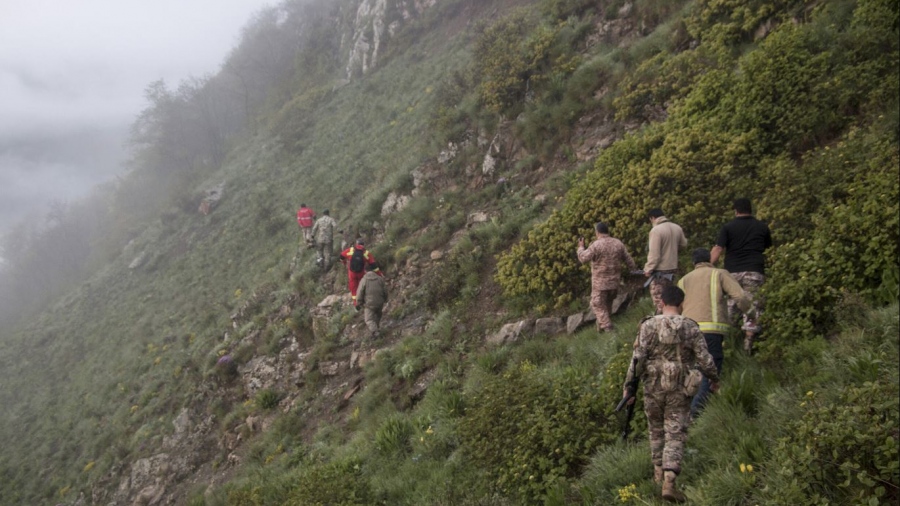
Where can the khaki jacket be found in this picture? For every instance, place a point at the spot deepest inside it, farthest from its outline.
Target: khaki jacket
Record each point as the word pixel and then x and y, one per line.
pixel 665 239
pixel 705 289
pixel 372 292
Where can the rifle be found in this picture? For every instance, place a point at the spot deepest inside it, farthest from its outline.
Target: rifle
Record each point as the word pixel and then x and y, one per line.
pixel 631 387
pixel 657 274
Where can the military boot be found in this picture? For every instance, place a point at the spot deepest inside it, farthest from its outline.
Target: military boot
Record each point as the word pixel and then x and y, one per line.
pixel 657 475
pixel 669 490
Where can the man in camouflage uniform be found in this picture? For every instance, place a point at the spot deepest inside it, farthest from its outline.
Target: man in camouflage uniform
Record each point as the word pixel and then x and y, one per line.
pixel 744 241
pixel 662 254
pixel 323 231
pixel 667 349
pixel 372 295
pixel 606 255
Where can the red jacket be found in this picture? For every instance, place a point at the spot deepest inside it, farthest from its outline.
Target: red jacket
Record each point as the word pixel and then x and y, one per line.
pixel 305 217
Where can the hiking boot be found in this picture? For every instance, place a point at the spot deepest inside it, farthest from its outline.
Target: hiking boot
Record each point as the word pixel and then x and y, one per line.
pixel 670 490
pixel 657 475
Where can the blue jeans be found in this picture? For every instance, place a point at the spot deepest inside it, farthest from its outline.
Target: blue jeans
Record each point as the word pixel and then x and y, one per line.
pixel 714 345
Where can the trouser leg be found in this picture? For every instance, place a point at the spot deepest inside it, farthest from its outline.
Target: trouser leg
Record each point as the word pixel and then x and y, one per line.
pixel 714 345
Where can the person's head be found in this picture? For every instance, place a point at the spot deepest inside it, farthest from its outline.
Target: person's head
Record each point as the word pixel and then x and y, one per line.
pixel 655 213
pixel 673 296
pixel 302 205
pixel 700 255
pixel 360 242
pixel 601 228
pixel 742 206
pixel 371 267
pixel 325 212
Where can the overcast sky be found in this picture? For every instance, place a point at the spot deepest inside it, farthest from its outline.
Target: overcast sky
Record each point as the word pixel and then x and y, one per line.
pixel 72 77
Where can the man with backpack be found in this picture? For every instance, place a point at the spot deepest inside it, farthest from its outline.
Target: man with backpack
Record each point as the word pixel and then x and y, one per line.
pixel 356 258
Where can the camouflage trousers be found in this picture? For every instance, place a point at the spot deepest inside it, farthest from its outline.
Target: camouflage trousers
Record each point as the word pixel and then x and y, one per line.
pixel 601 303
pixel 751 283
pixel 323 254
pixel 657 283
pixel 372 317
pixel 668 417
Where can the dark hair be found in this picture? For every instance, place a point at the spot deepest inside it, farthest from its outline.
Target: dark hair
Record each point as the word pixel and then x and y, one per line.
pixel 361 241
pixel 743 206
pixel 371 267
pixel 672 296
pixel 325 212
pixel 302 205
pixel 601 228
pixel 656 213
pixel 700 255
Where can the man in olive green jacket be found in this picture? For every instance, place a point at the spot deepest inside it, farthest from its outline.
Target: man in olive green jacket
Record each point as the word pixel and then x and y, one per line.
pixel 705 289
pixel 372 295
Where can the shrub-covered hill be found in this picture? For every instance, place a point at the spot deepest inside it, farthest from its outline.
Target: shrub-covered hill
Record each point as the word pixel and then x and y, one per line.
pixel 148 383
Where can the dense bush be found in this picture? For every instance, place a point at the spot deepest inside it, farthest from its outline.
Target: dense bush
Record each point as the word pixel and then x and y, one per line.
pixel 529 429
pixel 844 451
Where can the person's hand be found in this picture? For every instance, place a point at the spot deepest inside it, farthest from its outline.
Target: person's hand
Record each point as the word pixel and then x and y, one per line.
pixel 625 395
pixel 714 387
pixel 647 274
pixel 581 242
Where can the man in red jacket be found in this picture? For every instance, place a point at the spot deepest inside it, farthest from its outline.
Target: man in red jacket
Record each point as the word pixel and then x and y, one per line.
pixel 306 217
pixel 356 258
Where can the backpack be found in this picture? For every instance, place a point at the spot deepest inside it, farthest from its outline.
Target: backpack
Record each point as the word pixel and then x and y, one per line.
pixel 358 260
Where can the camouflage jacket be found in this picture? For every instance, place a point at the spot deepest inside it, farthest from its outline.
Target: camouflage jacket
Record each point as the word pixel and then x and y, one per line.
pixel 323 230
pixel 606 255
pixel 666 348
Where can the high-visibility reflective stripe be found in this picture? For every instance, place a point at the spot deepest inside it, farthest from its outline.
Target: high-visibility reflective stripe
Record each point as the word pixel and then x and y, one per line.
pixel 713 327
pixel 714 295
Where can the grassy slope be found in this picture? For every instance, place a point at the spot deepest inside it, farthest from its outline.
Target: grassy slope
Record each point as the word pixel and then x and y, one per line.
pixel 82 382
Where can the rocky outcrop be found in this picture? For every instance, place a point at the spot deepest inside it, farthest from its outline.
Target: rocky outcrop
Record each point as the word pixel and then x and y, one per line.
pixel 375 21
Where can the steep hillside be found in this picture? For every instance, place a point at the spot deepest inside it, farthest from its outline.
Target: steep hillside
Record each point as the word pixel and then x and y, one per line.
pixel 210 361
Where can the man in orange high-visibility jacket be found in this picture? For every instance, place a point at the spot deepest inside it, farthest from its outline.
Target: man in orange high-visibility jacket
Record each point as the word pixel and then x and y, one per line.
pixel 306 217
pixel 356 258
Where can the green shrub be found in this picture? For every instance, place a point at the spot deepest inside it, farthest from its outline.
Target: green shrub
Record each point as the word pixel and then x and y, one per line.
pixel 267 399
pixel 393 436
pixel 529 430
pixel 841 451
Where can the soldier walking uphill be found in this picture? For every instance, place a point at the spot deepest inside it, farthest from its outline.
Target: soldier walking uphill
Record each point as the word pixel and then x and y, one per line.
pixel 606 255
pixel 356 258
pixel 662 254
pixel 323 231
pixel 372 295
pixel 744 241
pixel 667 348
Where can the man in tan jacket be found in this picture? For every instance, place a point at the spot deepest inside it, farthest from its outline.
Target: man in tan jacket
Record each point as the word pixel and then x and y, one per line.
pixel 705 289
pixel 662 254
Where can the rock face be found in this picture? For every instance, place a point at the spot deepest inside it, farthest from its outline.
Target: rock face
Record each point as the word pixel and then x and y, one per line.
pixel 512 332
pixel 549 326
pixel 374 22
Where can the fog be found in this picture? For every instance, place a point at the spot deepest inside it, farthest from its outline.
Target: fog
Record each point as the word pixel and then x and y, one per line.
pixel 72 77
